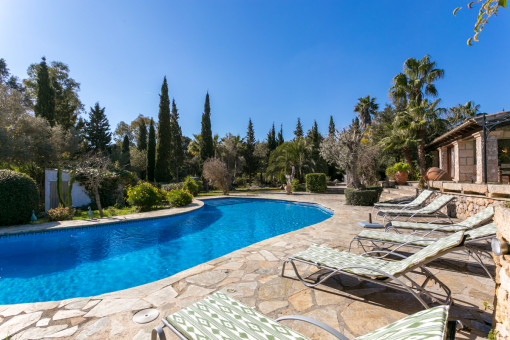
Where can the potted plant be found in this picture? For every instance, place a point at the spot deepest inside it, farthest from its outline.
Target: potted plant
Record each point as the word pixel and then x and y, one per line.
pixel 399 171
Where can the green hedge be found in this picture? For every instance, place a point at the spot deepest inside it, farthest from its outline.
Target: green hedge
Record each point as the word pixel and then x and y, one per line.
pixel 145 196
pixel 18 197
pixel 360 197
pixel 378 189
pixel 316 182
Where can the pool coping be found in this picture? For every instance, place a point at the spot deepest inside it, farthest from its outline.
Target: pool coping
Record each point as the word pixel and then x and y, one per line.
pixel 87 223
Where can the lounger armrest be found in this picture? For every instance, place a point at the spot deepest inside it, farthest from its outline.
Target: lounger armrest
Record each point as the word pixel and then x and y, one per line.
pixel 314 322
pixel 158 333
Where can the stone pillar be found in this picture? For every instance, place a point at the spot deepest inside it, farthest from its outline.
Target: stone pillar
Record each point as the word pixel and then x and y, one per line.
pixel 492 158
pixel 456 165
pixel 443 158
pixel 502 299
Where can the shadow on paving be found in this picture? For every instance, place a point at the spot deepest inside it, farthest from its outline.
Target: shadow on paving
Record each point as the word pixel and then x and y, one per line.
pixel 475 321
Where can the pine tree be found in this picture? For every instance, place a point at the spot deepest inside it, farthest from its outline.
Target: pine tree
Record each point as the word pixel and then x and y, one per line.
pixel 177 149
pixel 151 152
pixel 332 129
pixel 280 136
pixel 249 149
pixel 271 139
pixel 45 102
pixel 97 129
pixel 299 130
pixel 126 155
pixel 142 136
pixel 206 142
pixel 164 140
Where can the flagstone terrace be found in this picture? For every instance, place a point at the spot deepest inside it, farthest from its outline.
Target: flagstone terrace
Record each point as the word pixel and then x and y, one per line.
pixel 252 275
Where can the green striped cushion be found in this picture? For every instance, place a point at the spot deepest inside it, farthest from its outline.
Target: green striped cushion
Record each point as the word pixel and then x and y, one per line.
pixel 477 219
pixel 429 324
pixel 425 194
pixel 220 317
pixel 395 238
pixel 432 207
pixel 486 230
pixel 338 259
pixel 430 251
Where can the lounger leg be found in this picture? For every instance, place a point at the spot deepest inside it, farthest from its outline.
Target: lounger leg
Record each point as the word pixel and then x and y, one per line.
pixel 476 256
pixel 158 332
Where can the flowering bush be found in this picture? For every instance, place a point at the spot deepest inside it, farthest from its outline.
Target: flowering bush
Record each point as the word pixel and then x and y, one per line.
pixel 144 196
pixel 179 197
pixel 61 213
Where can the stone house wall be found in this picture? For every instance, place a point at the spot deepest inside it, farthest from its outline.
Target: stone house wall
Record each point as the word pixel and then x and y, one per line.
pixel 465 160
pixel 502 299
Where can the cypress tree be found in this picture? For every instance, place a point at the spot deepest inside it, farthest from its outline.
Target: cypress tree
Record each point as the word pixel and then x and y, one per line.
pixel 280 136
pixel 97 129
pixel 177 149
pixel 271 139
pixel 151 152
pixel 142 136
pixel 125 155
pixel 45 102
pixel 332 128
pixel 164 140
pixel 206 142
pixel 299 130
pixel 315 139
pixel 249 157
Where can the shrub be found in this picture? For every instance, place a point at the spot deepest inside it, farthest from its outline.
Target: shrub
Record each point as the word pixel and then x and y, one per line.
pixel 61 213
pixel 400 166
pixel 295 185
pixel 316 182
pixel 378 189
pixel 144 196
pixel 216 172
pixel 360 197
pixel 18 197
pixel 191 185
pixel 179 197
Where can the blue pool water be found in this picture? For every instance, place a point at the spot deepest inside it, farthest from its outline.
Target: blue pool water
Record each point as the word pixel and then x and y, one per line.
pixel 91 261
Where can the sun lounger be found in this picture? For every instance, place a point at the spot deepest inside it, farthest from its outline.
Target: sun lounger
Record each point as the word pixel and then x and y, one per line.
pixel 474 221
pixel 413 204
pixel 433 209
pixel 220 317
pixel 394 242
pixel 380 271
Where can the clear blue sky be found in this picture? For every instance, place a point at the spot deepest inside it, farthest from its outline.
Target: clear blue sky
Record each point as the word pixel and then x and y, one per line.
pixel 271 60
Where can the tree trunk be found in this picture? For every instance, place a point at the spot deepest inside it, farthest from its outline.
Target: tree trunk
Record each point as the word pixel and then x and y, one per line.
pixel 421 152
pixel 407 158
pixel 98 201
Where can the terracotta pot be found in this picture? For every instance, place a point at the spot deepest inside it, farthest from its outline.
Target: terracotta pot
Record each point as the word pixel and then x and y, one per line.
pixel 401 177
pixel 437 174
pixel 288 189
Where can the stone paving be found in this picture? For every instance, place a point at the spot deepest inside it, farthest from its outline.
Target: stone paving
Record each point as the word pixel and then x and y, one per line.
pixel 252 275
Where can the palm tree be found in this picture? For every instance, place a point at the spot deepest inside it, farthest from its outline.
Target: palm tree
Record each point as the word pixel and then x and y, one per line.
pixel 417 121
pixel 458 114
pixel 291 154
pixel 366 107
pixel 416 81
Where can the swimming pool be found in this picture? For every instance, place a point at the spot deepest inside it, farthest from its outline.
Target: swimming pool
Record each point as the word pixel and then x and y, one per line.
pixel 90 261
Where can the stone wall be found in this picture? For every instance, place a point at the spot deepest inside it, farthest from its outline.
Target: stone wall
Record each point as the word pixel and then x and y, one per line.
pixel 466 206
pixel 502 298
